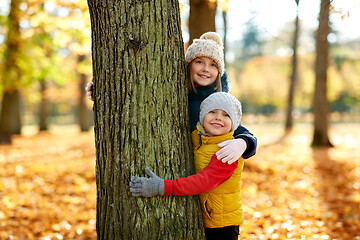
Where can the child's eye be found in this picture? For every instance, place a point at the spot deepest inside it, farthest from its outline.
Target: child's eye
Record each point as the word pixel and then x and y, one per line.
pixel 198 61
pixel 211 111
pixel 214 65
pixel 226 115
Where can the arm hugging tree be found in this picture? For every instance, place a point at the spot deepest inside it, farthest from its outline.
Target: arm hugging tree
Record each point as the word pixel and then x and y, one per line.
pixel 141 119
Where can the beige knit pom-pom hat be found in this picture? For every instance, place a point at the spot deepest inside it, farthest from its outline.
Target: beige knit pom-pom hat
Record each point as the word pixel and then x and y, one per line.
pixel 209 45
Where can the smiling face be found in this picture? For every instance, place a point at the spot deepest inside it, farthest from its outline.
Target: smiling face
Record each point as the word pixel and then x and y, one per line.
pixel 217 122
pixel 203 71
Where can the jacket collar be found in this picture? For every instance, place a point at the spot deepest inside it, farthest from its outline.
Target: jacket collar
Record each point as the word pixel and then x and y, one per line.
pixel 205 91
pixel 205 139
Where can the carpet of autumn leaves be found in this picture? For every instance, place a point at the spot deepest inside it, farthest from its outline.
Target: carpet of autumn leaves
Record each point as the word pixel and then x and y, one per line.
pixel 47 186
pixel 290 191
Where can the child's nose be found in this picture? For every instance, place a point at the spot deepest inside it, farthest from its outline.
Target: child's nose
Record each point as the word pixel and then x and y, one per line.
pixel 218 117
pixel 205 67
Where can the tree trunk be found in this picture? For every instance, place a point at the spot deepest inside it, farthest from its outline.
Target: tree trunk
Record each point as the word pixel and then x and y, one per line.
pixel 44 107
pixel 84 122
pixel 10 109
pixel 224 15
pixel 293 77
pixel 202 18
pixel 10 122
pixel 320 102
pixel 141 118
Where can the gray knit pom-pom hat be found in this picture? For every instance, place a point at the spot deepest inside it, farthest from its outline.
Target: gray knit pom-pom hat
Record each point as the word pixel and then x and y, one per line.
pixel 209 45
pixel 224 101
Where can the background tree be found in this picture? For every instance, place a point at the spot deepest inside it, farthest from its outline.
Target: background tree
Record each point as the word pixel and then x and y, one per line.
pixel 84 120
pixel 201 18
pixel 43 40
pixel 141 118
pixel 224 6
pixel 79 47
pixel 44 107
pixel 294 74
pixel 10 122
pixel 320 102
pixel 251 42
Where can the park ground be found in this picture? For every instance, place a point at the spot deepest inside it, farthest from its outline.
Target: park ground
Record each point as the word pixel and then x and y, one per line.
pixel 290 191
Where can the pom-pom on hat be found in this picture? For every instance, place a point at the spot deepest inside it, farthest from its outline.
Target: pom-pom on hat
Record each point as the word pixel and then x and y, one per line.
pixel 209 45
pixel 224 101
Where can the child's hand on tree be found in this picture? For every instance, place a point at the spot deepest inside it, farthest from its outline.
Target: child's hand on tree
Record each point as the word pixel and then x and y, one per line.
pixel 147 187
pixel 231 150
pixel 89 89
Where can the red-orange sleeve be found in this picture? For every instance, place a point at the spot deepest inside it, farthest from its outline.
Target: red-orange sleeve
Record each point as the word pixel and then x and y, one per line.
pixel 214 174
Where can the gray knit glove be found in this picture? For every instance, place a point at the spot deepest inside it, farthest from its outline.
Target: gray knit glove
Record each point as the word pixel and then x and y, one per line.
pixel 147 187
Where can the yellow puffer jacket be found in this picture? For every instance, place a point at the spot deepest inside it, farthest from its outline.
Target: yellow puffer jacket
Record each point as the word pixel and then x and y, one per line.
pixel 221 206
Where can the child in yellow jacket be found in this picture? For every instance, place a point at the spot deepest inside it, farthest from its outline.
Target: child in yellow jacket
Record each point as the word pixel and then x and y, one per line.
pixel 218 183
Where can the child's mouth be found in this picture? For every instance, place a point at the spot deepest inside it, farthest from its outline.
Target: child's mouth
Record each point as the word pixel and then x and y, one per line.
pixel 203 76
pixel 217 125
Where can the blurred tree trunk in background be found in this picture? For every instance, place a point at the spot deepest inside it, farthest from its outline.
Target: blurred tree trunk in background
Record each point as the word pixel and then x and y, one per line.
pixel 224 15
pixel 294 74
pixel 320 102
pixel 141 118
pixel 224 6
pixel 202 17
pixel 10 122
pixel 84 120
pixel 41 41
pixel 44 106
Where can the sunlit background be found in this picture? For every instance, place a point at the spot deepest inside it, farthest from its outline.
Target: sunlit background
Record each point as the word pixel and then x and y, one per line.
pixel 56 34
pixel 290 191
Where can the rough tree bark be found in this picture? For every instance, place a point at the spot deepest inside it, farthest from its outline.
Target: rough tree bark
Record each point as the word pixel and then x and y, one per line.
pixel 10 122
pixel 141 118
pixel 320 102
